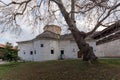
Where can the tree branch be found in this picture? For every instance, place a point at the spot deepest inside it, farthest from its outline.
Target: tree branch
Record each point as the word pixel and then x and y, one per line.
pixel 107 15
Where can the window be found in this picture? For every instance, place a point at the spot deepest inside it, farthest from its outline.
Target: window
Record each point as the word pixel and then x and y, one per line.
pixel 52 51
pixel 23 51
pixel 41 45
pixel 73 50
pixel 62 51
pixel 31 52
pixel 34 51
pixel 62 56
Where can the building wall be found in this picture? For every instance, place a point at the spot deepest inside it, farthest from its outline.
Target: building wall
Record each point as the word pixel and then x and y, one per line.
pixel 110 49
pixel 24 51
pixel 44 53
pixel 73 50
pixel 70 48
pixel 39 53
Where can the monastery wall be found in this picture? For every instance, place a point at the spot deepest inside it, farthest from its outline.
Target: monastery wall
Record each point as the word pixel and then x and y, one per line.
pixel 110 49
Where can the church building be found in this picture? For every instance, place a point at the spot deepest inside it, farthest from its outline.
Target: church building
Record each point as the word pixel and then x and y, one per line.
pixel 51 45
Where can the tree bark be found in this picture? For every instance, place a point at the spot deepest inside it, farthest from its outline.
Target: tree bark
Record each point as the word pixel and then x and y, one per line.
pixel 85 49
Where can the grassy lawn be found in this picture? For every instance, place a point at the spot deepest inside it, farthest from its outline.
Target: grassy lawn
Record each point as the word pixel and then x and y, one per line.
pixel 107 69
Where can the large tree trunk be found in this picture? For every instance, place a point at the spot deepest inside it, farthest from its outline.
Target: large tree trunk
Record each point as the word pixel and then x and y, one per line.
pixel 85 49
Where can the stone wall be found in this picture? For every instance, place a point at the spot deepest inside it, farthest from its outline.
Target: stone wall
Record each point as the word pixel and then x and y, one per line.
pixel 110 49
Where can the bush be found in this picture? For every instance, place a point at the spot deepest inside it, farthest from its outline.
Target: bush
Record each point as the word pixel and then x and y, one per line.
pixel 9 53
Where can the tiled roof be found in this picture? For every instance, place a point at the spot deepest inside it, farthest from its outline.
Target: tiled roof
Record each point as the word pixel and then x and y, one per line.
pixel 48 35
pixel 107 31
pixel 51 26
pixel 2 45
pixel 66 37
pixel 51 35
pixel 110 38
pixel 108 34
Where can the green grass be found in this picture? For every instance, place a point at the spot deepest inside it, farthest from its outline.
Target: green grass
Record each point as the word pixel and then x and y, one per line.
pixel 107 69
pixel 5 68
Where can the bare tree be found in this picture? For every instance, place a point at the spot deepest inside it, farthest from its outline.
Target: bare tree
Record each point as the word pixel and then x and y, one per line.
pixel 96 13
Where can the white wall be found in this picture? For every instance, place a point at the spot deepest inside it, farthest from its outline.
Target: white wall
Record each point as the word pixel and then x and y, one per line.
pixel 110 49
pixel 64 45
pixel 25 48
pixel 44 53
pixel 70 48
pixel 73 50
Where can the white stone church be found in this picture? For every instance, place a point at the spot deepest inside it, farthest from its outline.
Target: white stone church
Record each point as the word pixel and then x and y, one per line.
pixel 51 45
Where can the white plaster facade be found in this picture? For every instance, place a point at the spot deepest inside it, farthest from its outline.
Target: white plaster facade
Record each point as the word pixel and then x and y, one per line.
pixel 109 49
pixel 32 50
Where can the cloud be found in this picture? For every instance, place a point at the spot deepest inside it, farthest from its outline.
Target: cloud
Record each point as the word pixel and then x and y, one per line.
pixel 26 34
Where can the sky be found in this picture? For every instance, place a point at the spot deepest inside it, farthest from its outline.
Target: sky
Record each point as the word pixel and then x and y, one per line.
pixel 27 33
pixel 13 38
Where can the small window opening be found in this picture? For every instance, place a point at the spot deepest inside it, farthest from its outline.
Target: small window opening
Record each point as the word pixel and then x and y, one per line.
pixel 52 51
pixel 41 45
pixel 31 52
pixel 62 51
